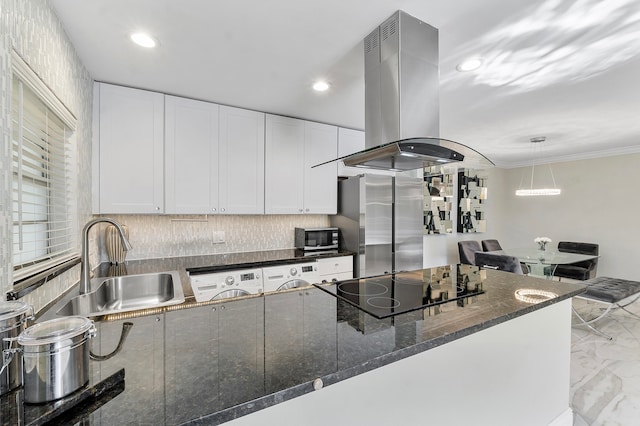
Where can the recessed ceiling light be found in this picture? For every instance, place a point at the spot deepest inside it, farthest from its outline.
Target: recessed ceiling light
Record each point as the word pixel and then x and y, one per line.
pixel 470 64
pixel 320 86
pixel 143 39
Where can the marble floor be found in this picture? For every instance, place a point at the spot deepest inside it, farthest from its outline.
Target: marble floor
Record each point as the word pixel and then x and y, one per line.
pixel 605 375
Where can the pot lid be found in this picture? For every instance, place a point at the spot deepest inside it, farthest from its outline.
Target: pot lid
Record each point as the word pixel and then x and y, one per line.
pixel 54 330
pixel 11 309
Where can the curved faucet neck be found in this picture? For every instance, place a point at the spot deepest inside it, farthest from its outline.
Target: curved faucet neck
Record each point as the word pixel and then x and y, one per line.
pixel 85 269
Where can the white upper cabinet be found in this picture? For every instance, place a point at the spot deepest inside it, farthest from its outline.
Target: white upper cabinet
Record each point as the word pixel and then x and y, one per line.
pixel 349 142
pixel 320 183
pixel 241 161
pixel 130 150
pixel 215 158
pixel 156 153
pixel 284 155
pixel 292 186
pixel 191 147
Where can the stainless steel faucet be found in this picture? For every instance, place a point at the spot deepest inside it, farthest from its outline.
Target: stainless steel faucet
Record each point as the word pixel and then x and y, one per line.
pixel 84 258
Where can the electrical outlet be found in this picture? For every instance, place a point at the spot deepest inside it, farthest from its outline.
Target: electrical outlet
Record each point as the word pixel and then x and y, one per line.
pixel 218 237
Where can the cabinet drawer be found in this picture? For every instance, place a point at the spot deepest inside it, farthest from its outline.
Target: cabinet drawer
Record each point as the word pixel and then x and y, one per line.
pixel 335 265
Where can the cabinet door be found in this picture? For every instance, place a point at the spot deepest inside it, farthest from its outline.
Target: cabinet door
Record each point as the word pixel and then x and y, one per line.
pixel 349 141
pixel 284 156
pixel 131 164
pixel 283 340
pixel 142 357
pixel 191 363
pixel 320 183
pixel 320 346
pixel 241 161
pixel 191 144
pixel 241 353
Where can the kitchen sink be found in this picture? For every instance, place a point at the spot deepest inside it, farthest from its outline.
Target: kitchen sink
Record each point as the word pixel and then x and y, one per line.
pixel 111 295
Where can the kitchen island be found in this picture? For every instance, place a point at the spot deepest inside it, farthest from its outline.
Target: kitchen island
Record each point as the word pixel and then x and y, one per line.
pixel 499 356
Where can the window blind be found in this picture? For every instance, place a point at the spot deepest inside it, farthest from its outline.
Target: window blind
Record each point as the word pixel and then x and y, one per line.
pixel 43 223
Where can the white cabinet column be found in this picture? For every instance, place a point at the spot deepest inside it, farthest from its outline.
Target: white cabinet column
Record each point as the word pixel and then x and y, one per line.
pixel 320 183
pixel 191 143
pixel 130 149
pixel 292 186
pixel 283 165
pixel 241 161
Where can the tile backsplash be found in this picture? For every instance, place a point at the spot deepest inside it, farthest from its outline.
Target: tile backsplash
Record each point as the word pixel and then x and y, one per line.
pixel 173 236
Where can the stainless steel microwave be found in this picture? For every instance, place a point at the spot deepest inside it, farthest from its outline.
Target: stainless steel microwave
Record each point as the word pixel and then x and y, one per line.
pixel 310 239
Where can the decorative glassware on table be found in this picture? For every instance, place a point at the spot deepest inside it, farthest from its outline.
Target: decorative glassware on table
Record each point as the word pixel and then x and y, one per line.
pixel 542 245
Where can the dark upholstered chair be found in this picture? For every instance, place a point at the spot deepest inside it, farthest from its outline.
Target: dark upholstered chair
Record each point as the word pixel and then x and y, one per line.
pixel 491 245
pixel 582 270
pixel 500 262
pixel 467 250
pixel 494 245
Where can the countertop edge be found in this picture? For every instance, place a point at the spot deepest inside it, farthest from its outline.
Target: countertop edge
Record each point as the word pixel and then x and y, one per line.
pixel 266 401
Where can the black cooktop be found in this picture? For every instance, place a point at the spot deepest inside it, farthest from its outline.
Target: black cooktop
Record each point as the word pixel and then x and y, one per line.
pixel 385 296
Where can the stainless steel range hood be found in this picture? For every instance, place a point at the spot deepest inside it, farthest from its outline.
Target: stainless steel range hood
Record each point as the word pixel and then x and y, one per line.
pixel 402 101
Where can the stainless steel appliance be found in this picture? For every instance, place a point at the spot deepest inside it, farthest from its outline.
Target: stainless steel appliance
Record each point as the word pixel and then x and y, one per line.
pixel 225 284
pixel 402 101
pixel 380 218
pixel 313 239
pixel 283 277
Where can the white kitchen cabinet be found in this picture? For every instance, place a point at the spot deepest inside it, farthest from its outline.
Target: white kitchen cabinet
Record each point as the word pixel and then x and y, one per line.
pixel 191 146
pixel 214 158
pixel 320 183
pixel 130 150
pixel 335 268
pixel 241 161
pixel 292 186
pixel 349 141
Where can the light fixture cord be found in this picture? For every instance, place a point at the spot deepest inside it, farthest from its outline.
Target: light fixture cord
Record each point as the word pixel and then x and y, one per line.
pixel 552 177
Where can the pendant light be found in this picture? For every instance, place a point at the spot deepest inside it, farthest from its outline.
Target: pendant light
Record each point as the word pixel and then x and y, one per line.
pixel 531 191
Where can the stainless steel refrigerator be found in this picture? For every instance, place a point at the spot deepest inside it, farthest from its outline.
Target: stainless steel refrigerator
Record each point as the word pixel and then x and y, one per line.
pixel 380 219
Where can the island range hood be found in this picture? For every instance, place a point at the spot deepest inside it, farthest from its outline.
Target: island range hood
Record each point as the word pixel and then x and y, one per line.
pixel 402 101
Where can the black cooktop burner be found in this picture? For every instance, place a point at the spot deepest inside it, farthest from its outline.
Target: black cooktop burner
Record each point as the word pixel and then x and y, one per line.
pixel 394 294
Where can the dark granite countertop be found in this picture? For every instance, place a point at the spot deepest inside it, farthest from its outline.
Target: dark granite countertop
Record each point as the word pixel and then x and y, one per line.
pixel 210 363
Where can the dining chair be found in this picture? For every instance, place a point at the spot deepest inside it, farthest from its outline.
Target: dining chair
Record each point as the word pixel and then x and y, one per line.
pixel 491 245
pixel 500 262
pixel 467 250
pixel 494 245
pixel 581 271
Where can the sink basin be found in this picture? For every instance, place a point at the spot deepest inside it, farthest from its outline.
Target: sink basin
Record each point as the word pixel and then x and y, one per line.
pixel 111 295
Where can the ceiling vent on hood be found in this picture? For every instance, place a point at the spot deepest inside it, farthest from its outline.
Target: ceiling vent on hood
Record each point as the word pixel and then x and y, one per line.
pixel 402 100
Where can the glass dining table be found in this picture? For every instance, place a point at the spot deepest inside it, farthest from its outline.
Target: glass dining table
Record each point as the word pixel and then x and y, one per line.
pixel 543 263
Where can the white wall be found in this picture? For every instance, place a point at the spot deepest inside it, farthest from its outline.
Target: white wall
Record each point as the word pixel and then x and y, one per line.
pixel 598 204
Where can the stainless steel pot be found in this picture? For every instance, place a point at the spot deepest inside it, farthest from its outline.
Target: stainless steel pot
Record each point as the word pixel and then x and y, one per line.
pixel 13 320
pixel 55 357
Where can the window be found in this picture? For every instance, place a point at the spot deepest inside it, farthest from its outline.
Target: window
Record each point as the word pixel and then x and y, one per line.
pixel 42 186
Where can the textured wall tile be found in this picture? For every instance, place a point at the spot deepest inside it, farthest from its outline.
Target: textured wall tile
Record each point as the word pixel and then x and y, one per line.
pixel 33 30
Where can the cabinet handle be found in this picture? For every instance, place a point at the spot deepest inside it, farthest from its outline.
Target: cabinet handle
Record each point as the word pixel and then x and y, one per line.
pixel 157 209
pixel 223 210
pixel 213 209
pixel 307 210
pixel 300 210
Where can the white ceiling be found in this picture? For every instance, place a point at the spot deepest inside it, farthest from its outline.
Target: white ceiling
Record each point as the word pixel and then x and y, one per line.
pixel 565 69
